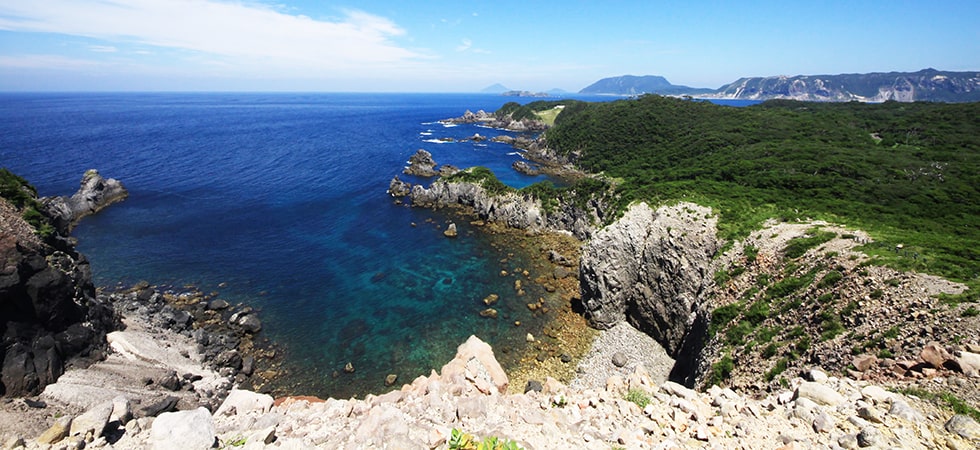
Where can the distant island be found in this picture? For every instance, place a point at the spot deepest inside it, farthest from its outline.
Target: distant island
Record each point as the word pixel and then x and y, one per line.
pixel 924 85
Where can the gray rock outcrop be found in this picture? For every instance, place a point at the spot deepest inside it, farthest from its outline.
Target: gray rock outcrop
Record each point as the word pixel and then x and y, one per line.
pixel 399 188
pixel 421 164
pixel 94 194
pixel 650 268
pixel 512 208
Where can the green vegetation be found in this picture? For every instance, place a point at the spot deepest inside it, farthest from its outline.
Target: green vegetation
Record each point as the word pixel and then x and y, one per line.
pixel 830 279
pixel 918 185
pixel 721 370
pixel 798 246
pixel 459 440
pixel 482 176
pixel 945 399
pixel 23 196
pixel 638 397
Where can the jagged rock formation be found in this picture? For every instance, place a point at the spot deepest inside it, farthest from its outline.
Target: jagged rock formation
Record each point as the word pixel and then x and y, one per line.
pixel 468 395
pixel 511 208
pixel 421 164
pixel 399 188
pixel 50 317
pixel 651 268
pixel 506 122
pixel 94 194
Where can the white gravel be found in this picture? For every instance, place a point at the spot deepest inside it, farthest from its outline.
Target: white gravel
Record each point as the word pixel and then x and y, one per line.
pixel 639 349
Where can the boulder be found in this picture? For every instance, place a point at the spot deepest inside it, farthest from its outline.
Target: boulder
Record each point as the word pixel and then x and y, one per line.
pixel 241 401
pixel 58 431
pixel 399 188
pixel 819 393
pixel 968 362
pixel 474 359
pixel 92 421
pixel 250 324
pixel 183 430
pixel 964 426
pixel 864 361
pixel 935 355
pixel 421 164
pixel 451 231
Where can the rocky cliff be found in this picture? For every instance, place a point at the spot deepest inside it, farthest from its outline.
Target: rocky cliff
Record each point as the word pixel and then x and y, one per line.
pixel 652 269
pixel 94 194
pixel 50 317
pixel 511 208
pixel 924 85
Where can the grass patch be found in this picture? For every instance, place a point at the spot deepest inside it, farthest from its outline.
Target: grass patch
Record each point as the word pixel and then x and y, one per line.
pixel 796 247
pixel 639 397
pixel 721 371
pixel 944 399
pixel 830 279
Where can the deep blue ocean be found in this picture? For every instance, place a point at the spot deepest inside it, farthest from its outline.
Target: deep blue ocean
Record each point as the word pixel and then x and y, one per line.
pixel 278 201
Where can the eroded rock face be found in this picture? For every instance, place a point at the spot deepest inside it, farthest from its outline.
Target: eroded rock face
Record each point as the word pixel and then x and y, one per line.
pixel 650 268
pixel 94 194
pixel 49 314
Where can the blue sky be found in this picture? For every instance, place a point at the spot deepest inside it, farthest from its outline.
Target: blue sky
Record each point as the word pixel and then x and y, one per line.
pixel 464 46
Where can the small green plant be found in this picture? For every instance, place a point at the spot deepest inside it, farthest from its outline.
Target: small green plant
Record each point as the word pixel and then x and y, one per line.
pixel 721 277
pixel 638 397
pixel 722 316
pixel 769 351
pixel 459 440
pixel 721 370
pixel 779 368
pixel 751 254
pixel 885 354
pixel 236 441
pixel 877 293
pixel 830 279
pixel 970 312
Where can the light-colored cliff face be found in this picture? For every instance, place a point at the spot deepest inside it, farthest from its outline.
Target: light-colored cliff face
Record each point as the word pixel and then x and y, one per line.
pixel 651 268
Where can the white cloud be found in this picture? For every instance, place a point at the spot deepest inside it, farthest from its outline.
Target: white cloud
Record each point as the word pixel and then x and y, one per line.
pixel 464 46
pixel 242 35
pixel 103 48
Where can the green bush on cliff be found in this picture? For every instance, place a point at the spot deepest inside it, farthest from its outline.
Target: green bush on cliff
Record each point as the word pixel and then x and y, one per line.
pixel 23 196
pixel 482 176
pixel 919 185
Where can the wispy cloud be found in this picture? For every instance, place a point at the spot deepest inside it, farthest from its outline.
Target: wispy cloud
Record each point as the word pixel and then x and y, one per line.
pixel 243 34
pixel 464 46
pixel 103 48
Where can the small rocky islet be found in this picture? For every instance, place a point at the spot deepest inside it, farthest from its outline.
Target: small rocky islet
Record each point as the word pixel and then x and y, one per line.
pixel 615 395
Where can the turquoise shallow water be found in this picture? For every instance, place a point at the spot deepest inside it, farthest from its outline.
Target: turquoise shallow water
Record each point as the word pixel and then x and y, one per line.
pixel 280 199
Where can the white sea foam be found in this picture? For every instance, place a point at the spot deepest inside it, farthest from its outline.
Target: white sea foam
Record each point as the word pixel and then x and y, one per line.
pixel 425 133
pixel 436 141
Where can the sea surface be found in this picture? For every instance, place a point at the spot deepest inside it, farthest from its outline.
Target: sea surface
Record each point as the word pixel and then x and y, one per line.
pixel 279 201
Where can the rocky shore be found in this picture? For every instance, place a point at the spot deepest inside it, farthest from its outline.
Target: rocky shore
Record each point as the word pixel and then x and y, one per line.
pixel 469 394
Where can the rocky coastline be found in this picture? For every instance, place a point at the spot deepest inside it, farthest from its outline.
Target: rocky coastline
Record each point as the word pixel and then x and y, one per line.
pixel 649 281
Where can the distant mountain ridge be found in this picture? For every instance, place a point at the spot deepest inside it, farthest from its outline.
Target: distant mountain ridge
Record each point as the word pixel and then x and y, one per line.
pixel 924 85
pixel 635 85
